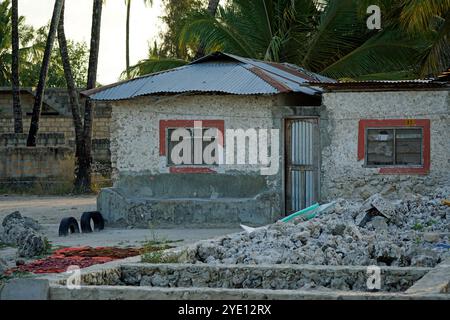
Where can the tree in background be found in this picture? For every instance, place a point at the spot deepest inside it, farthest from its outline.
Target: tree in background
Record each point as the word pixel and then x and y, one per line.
pixel 31 52
pixel 127 36
pixel 84 167
pixel 157 61
pixel 71 90
pixel 79 56
pixel 170 53
pixel 34 125
pixel 174 19
pixel 17 109
pixel 5 42
pixel 431 18
pixel 413 43
pixel 26 49
pixel 212 9
pixel 331 39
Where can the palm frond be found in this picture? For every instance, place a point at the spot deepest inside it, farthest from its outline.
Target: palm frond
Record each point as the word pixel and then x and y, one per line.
pixel 417 15
pixel 436 57
pixel 395 75
pixel 389 51
pixel 340 31
pixel 152 65
pixel 215 34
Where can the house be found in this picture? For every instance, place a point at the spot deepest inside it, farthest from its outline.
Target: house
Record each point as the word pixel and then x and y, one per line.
pixel 227 140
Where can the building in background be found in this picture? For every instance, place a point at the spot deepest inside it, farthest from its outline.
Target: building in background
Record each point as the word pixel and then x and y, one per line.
pixel 335 140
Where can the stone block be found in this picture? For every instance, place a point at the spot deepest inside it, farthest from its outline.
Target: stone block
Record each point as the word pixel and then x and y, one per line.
pixel 25 289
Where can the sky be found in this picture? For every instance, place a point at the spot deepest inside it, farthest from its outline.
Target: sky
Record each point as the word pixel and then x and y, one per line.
pixel 144 28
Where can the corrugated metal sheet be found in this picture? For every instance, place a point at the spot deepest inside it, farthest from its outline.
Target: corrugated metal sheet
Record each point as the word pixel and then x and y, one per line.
pixel 218 72
pixel 384 85
pixel 391 81
pixel 302 185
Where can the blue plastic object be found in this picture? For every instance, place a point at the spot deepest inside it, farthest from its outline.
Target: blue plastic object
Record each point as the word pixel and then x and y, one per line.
pixel 301 212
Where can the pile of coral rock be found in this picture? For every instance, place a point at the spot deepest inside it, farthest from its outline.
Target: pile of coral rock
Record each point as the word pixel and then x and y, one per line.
pixel 23 233
pixel 412 231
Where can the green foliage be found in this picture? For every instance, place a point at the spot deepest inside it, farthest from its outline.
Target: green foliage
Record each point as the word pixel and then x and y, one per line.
pixel 78 55
pixel 47 246
pixel 153 252
pixel 170 53
pixel 418 227
pixel 153 64
pixel 156 239
pixel 332 39
pixel 159 257
pixel 25 34
pixel 175 15
pixel 32 43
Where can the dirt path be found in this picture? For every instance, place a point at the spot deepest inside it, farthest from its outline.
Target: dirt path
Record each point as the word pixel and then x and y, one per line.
pixel 49 211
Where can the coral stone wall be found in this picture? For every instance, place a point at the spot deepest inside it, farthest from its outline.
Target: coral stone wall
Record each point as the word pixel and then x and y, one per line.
pixel 343 175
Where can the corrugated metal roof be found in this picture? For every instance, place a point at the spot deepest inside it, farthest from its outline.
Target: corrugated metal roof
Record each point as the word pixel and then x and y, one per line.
pixel 390 81
pixel 217 72
pixel 385 85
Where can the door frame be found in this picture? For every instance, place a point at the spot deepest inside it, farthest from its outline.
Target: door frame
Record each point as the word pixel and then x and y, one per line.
pixel 286 149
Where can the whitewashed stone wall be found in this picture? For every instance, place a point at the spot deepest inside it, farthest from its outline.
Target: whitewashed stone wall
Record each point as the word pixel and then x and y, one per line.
pixel 343 175
pixel 135 125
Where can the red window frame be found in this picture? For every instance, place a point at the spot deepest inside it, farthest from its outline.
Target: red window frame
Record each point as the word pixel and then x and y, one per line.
pixel 404 123
pixel 165 124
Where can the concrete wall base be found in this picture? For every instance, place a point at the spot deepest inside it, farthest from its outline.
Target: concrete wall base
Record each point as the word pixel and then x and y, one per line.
pixel 121 210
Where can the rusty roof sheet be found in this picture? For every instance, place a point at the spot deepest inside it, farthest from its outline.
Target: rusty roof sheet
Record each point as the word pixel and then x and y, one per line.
pixel 385 85
pixel 216 73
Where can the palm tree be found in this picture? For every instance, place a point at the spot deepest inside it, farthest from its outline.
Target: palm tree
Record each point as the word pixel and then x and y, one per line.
pixel 127 39
pixel 432 18
pixel 72 92
pixel 34 125
pixel 156 61
pixel 17 110
pixel 83 174
pixel 5 43
pixel 212 9
pixel 212 6
pixel 331 39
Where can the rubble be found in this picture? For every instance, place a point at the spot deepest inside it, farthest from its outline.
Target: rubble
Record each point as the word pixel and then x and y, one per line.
pixel 23 232
pixel 399 233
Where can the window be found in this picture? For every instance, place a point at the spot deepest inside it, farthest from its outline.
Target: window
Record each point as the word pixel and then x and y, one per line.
pixel 190 146
pixel 185 140
pixel 394 147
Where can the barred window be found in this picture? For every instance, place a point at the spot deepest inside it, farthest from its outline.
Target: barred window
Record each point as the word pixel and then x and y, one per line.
pixel 394 147
pixel 198 143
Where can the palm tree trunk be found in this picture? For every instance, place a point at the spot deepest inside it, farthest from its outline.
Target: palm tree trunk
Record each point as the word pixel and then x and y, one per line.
pixel 212 9
pixel 34 125
pixel 83 179
pixel 17 109
pixel 212 6
pixel 128 2
pixel 71 90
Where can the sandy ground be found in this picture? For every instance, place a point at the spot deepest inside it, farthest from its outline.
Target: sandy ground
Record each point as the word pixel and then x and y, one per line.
pixel 50 210
pixel 47 210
